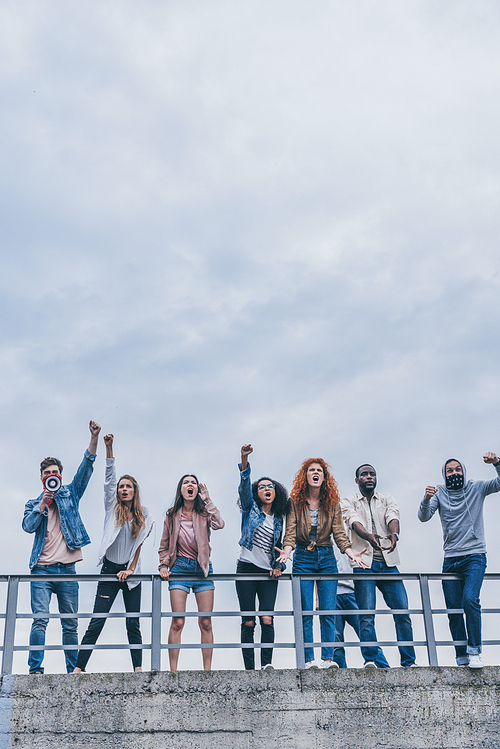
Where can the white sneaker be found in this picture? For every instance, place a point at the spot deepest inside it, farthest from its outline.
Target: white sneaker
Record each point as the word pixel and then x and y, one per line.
pixel 267 667
pixel 475 661
pixel 311 664
pixel 329 664
pixel 369 664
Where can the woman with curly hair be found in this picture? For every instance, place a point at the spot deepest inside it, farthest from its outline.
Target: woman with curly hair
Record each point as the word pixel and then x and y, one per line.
pixel 264 505
pixel 127 524
pixel 185 550
pixel 315 516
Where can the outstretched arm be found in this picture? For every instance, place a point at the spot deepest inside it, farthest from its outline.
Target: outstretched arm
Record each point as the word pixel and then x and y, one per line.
pixel 108 441
pixel 246 450
pixel 95 428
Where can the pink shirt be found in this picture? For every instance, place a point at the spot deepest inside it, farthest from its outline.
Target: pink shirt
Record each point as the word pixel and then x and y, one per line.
pixel 186 542
pixel 55 548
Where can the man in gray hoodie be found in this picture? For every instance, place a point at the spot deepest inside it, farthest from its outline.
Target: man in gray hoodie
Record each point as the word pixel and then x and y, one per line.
pixel 460 505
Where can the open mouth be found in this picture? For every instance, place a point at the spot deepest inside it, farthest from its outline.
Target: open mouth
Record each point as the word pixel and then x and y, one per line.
pixel 190 491
pixel 268 495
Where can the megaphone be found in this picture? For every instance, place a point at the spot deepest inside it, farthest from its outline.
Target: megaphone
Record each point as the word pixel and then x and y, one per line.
pixel 52 482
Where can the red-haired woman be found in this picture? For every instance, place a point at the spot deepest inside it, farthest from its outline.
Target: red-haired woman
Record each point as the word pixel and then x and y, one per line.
pixel 315 516
pixel 127 524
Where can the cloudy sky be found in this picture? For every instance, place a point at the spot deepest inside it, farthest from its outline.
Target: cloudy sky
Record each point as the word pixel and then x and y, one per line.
pixel 268 222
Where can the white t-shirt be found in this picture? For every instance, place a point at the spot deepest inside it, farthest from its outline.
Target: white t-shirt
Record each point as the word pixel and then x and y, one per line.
pixel 261 554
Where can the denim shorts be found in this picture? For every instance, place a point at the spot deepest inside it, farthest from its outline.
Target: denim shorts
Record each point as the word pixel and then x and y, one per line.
pixel 186 566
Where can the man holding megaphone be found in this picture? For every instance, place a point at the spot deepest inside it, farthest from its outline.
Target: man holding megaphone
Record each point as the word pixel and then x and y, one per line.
pixel 55 520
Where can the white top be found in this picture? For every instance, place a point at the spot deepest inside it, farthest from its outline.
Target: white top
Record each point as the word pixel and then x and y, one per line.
pixel 261 553
pixel 111 531
pixel 120 550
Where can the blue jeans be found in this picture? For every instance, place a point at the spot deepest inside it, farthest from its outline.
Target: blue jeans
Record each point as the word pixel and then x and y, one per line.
pixel 186 566
pixel 67 600
pixel 464 594
pixel 322 559
pixel 347 602
pixel 394 594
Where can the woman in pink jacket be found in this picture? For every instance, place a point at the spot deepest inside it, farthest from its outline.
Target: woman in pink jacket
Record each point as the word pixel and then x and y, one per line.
pixel 185 550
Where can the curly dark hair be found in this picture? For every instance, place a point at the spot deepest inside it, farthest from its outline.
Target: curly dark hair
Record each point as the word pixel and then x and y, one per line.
pixel 199 505
pixel 281 503
pixel 329 492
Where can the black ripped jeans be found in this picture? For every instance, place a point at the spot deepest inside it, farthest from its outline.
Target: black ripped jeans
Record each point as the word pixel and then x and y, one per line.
pixel 104 597
pixel 265 591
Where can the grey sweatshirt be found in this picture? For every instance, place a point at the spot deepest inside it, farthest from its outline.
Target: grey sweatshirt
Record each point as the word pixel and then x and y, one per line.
pixel 461 514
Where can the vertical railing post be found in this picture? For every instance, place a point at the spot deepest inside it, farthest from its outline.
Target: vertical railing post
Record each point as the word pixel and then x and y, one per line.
pixel 428 621
pixel 156 623
pixel 297 623
pixel 10 625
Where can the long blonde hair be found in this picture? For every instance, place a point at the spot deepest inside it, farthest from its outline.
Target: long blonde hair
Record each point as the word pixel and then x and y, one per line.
pixel 121 511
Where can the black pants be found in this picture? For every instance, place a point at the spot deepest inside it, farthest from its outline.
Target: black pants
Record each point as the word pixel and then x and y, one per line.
pixel 104 597
pixel 266 591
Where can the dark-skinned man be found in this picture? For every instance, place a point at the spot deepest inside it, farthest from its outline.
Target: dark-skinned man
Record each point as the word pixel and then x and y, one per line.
pixel 372 517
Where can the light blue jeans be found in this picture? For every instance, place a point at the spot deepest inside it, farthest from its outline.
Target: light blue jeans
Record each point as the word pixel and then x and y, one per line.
pixel 322 559
pixel 67 599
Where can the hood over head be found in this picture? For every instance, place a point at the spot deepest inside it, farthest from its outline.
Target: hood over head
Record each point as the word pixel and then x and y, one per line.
pixel 447 482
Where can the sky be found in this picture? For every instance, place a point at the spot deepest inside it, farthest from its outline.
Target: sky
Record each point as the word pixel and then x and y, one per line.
pixel 272 222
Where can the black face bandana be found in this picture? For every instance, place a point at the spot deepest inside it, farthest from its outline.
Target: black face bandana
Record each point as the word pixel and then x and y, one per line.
pixel 455 482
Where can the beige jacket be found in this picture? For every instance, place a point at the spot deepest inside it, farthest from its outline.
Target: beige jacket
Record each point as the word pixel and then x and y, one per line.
pixel 355 509
pixel 202 524
pixel 298 527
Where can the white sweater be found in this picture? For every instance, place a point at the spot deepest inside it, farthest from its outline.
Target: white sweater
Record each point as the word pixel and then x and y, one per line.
pixel 111 530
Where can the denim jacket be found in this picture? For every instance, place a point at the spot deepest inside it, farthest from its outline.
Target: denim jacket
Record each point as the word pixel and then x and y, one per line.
pixel 252 516
pixel 67 500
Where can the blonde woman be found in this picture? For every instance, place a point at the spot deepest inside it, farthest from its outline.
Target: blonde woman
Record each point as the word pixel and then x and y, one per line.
pixel 127 524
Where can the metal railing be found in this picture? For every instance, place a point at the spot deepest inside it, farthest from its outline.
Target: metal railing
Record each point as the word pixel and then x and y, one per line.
pixel 156 614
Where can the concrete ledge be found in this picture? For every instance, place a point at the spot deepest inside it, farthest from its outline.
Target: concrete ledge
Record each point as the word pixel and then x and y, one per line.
pixel 395 709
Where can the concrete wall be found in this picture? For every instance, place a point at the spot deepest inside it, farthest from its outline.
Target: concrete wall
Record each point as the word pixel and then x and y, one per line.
pixel 395 709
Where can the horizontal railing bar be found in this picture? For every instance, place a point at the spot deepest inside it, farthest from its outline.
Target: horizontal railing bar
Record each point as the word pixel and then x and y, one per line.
pixel 371 644
pixel 110 615
pixel 250 576
pixel 147 614
pixel 228 645
pixel 353 612
pixel 118 646
pixel 220 614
